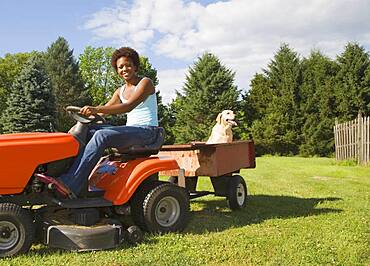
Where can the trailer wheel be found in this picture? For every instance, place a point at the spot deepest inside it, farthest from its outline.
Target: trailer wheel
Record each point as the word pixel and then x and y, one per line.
pixel 166 209
pixel 237 192
pixel 16 230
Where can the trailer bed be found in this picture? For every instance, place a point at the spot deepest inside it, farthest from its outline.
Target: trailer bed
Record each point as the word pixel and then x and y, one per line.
pixel 201 159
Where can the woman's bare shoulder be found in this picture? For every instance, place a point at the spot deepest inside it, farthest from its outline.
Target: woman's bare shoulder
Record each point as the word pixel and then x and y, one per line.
pixel 146 81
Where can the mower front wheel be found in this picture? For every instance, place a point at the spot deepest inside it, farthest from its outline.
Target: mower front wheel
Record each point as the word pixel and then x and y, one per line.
pixel 166 209
pixel 16 230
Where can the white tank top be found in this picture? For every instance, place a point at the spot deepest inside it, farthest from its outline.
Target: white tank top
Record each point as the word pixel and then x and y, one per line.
pixel 145 113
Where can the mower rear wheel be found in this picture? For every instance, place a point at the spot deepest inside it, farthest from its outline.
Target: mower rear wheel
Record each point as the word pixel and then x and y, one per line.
pixel 16 230
pixel 137 208
pixel 166 209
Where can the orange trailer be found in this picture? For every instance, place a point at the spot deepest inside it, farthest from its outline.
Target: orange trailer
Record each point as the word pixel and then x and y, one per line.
pixel 221 162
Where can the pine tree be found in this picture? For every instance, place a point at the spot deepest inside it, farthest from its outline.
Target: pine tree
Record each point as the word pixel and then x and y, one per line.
pixel 279 130
pixel 318 105
pixel 68 86
pixel 10 67
pixel 259 96
pixel 352 86
pixel 209 89
pixel 31 103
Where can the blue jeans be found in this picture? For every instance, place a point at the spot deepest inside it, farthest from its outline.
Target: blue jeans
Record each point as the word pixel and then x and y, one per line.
pixel 101 137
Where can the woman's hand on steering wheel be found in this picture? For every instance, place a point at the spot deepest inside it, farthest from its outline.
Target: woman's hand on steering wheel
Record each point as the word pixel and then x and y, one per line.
pixel 88 110
pixel 89 116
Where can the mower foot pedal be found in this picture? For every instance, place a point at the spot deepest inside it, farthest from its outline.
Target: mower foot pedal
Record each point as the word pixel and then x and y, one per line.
pixel 83 203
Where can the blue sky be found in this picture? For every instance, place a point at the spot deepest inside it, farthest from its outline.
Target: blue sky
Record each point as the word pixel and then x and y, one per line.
pixel 244 34
pixel 34 25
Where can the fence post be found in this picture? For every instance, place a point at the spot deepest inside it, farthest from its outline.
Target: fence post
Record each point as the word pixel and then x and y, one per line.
pixel 352 140
pixel 367 142
pixel 336 139
pixel 359 138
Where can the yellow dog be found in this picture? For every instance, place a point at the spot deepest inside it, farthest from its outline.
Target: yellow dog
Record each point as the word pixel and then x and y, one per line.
pixel 221 132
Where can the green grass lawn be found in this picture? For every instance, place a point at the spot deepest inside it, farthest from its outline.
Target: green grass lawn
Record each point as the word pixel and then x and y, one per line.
pixel 306 211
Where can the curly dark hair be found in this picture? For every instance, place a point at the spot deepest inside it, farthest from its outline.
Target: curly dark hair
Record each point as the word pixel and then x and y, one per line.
pixel 126 52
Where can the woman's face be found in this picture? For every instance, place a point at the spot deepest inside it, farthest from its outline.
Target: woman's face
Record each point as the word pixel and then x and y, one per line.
pixel 125 68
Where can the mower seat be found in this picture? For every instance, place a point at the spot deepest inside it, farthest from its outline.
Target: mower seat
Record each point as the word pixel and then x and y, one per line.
pixel 139 151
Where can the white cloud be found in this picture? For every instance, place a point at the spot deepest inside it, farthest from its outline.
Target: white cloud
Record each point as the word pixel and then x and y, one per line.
pixel 170 81
pixel 243 34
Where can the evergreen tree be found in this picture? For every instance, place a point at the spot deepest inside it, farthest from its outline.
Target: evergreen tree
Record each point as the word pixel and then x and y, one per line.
pixel 68 86
pixel 10 67
pixel 166 119
pixel 366 84
pixel 352 85
pixel 279 131
pixel 31 103
pixel 318 105
pixel 208 90
pixel 258 98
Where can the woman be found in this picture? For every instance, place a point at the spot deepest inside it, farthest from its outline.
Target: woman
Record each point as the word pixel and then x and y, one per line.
pixel 137 98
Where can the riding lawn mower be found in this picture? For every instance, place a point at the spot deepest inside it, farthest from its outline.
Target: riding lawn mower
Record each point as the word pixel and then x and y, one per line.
pixel 122 197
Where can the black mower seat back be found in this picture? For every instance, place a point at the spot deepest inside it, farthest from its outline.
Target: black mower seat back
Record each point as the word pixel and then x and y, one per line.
pixel 144 150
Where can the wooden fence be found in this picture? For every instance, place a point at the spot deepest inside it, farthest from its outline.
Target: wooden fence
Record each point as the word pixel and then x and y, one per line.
pixel 352 140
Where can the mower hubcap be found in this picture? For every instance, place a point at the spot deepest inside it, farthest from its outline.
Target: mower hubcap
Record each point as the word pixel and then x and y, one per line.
pixel 167 211
pixel 9 235
pixel 240 194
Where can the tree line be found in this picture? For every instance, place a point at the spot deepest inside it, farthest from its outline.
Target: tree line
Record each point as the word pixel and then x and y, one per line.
pixel 290 107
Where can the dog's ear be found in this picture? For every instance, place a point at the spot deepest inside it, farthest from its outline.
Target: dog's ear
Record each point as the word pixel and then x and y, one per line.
pixel 218 119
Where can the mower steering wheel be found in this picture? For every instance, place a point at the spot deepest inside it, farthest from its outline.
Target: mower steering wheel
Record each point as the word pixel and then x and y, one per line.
pixel 74 111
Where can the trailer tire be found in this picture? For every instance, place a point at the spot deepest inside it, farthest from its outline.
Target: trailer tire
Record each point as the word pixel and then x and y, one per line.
pixel 166 209
pixel 237 192
pixel 17 230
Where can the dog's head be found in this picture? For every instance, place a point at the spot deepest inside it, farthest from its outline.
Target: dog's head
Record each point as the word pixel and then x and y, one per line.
pixel 226 118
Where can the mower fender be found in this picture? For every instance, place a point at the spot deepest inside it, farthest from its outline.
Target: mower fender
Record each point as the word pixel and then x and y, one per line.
pixel 121 185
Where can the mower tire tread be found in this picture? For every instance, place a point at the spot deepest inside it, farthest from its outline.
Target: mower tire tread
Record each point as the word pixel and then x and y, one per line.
pixel 166 209
pixel 14 218
pixel 137 211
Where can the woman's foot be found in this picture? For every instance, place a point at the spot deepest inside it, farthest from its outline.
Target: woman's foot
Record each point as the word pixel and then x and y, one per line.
pixel 60 187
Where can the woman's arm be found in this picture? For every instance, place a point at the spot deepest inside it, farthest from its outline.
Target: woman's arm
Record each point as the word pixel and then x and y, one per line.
pixel 143 90
pixel 115 99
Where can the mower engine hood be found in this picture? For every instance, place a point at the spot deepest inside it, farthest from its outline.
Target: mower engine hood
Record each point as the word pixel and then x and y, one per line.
pixel 21 153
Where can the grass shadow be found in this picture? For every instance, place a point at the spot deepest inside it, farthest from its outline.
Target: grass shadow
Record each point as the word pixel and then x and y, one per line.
pixel 214 214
